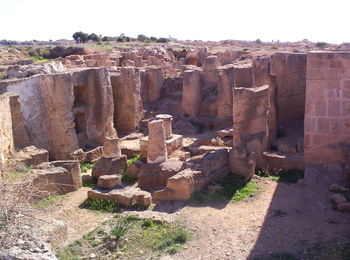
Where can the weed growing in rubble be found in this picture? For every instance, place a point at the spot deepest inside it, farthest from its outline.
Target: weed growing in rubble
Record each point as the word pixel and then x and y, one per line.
pixel 84 167
pixel 103 205
pixel 235 188
pixel 49 201
pixel 18 171
pixel 132 160
pixel 120 228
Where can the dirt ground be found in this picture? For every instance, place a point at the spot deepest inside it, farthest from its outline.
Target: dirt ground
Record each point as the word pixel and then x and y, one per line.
pixel 281 218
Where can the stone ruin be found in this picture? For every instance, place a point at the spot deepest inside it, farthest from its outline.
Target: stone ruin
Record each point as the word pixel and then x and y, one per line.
pixel 193 117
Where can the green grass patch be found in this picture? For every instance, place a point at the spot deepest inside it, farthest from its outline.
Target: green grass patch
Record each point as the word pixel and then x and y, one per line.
pixel 49 201
pixel 126 179
pixel 103 205
pixel 130 236
pixel 88 184
pixel 289 176
pixel 235 188
pixel 84 167
pixel 39 59
pixel 18 171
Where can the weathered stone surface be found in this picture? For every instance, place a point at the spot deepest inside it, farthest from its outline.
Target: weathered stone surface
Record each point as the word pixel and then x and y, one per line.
pixel 111 147
pixel 192 93
pixel 287 148
pixel 225 92
pixel 343 206
pixel 94 154
pixel 283 161
pixel 167 124
pixel 109 166
pixel 109 182
pixel 210 74
pixel 134 169
pixel 31 155
pixel 243 76
pixel 338 198
pixel 180 186
pixel 130 148
pixel 127 99
pixel 66 110
pixel 225 133
pixel 18 71
pixel 57 177
pixel 261 71
pixel 127 196
pixel 79 155
pixel 6 133
pixel 155 80
pixel 20 136
pixel 241 162
pixel 290 72
pixel 156 176
pixel 172 144
pixel 156 148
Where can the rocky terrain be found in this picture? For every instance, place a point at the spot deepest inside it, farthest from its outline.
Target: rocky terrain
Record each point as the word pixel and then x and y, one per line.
pixel 175 150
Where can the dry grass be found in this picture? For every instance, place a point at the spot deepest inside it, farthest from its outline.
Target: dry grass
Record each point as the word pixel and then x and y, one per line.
pixel 17 210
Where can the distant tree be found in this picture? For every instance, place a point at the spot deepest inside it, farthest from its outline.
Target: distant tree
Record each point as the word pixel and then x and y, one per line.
pixel 94 37
pixel 84 37
pixel 142 38
pixel 153 39
pixel 258 41
pixel 107 38
pixel 163 40
pixel 321 44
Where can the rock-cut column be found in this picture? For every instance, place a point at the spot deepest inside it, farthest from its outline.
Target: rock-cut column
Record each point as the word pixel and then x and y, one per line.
pixel 192 93
pixel 156 147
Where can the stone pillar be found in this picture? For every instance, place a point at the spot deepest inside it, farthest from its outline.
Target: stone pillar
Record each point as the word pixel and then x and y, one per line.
pixel 156 148
pixel 111 148
pixel 192 93
pixel 167 124
pixel 225 92
pixel 210 74
pixel 155 80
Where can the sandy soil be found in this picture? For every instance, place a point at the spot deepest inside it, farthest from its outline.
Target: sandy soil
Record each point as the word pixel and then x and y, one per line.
pixel 282 218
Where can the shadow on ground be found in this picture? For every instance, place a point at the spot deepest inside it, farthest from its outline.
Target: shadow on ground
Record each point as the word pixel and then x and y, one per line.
pixel 301 223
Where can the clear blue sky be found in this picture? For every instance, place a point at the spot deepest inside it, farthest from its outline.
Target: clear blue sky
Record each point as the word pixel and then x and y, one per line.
pixel 183 19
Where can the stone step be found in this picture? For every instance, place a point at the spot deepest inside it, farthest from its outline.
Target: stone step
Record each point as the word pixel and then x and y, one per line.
pixel 276 160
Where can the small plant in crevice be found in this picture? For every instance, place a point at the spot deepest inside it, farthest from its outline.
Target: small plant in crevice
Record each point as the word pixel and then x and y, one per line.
pixel 125 178
pixel 132 160
pixel 85 166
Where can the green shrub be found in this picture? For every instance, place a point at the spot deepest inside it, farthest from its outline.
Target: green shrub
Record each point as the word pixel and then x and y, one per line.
pixel 103 205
